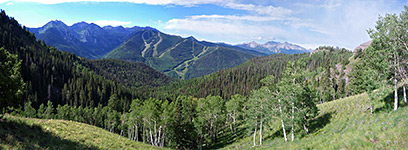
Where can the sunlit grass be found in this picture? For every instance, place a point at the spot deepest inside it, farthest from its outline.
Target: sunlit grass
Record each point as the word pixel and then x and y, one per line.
pixel 29 133
pixel 343 124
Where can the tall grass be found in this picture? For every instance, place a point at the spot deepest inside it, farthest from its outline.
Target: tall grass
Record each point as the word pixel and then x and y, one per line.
pixel 29 133
pixel 343 124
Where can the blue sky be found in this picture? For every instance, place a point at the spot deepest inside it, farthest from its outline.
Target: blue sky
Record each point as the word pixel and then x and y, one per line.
pixel 309 23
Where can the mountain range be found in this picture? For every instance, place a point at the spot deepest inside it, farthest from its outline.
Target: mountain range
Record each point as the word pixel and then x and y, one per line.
pixel 83 39
pixel 175 56
pixel 273 47
pixel 179 57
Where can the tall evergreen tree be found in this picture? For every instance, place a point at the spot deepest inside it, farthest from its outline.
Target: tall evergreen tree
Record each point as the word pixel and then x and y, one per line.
pixel 11 82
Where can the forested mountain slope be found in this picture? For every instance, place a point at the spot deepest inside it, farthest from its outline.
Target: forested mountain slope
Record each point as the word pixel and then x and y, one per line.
pixel 65 78
pixel 131 74
pixel 175 56
pixel 246 77
pixel 179 57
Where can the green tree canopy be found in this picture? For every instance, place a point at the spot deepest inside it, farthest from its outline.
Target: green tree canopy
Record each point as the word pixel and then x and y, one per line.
pixel 11 83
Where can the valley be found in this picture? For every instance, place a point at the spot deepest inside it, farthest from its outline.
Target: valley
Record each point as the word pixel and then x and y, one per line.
pixel 181 58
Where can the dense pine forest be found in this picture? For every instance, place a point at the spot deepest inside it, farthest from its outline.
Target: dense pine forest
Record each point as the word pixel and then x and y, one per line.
pixel 279 92
pixel 329 65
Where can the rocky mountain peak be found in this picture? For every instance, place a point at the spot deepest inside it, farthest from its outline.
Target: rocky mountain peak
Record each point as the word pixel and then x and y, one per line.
pixel 271 47
pixel 362 46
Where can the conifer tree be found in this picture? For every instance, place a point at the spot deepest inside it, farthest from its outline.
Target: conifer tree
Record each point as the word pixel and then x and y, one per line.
pixel 11 82
pixel 29 111
pixel 48 113
pixel 40 111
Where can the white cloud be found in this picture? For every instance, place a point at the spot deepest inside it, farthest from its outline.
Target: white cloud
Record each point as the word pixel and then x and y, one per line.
pixel 331 5
pixel 336 23
pixel 310 46
pixel 259 9
pixel 236 17
pixel 111 23
pixel 232 30
pixel 10 3
pixel 342 22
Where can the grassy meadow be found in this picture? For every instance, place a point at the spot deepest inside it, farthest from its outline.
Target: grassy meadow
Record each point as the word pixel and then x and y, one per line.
pixel 342 124
pixel 29 133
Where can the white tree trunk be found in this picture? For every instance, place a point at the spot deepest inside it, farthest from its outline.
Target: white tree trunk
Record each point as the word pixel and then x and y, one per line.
pixel 137 133
pixel 405 93
pixel 163 136
pixel 293 119
pixel 158 139
pixel 155 134
pixel 255 133
pixel 283 124
pixel 151 137
pixel 122 123
pixel 147 136
pixel 129 133
pixel 395 95
pixel 306 129
pixel 233 118
pixel 143 133
pixel 230 123
pixel 260 133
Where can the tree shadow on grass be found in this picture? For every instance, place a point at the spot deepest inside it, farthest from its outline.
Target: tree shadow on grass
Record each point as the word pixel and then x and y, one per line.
pixel 389 101
pixel 319 122
pixel 229 137
pixel 314 125
pixel 18 134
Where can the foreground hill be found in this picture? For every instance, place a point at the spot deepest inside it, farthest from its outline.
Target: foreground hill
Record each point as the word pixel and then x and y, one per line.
pixel 179 57
pixel 343 124
pixel 30 133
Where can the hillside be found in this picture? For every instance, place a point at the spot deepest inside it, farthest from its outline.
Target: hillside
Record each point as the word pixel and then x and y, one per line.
pixel 30 133
pixel 246 77
pixel 343 124
pixel 178 57
pixel 65 78
pixel 132 74
pixel 175 56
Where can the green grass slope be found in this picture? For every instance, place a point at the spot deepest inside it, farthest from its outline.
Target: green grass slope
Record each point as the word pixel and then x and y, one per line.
pixel 29 133
pixel 343 124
